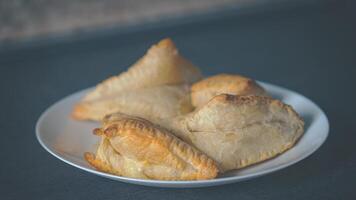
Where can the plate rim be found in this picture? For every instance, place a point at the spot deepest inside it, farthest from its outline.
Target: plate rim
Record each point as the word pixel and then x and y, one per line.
pixel 182 184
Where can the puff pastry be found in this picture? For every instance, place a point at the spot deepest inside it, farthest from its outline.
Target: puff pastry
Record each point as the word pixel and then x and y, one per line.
pixel 154 104
pixel 237 131
pixel 204 90
pixel 134 147
pixel 161 65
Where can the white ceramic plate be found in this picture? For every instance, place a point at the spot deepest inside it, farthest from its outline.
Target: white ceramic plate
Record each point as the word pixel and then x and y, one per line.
pixel 68 139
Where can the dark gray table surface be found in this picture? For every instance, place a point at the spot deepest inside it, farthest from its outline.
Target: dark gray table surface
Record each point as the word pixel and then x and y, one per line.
pixel 310 50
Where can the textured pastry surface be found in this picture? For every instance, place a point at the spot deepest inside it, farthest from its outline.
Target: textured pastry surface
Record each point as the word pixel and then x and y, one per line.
pixel 237 131
pixel 134 147
pixel 206 89
pixel 154 104
pixel 150 130
pixel 161 65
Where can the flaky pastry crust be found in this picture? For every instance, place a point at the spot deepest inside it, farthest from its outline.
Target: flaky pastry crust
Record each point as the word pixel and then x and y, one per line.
pixel 204 90
pixel 161 65
pixel 237 131
pixel 154 104
pixel 135 147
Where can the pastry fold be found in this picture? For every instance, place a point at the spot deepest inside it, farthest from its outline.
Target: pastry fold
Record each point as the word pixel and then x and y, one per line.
pixel 134 147
pixel 238 131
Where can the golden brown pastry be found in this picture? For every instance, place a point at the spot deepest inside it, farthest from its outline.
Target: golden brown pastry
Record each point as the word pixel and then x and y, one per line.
pixel 135 147
pixel 206 89
pixel 233 126
pixel 237 131
pixel 161 65
pixel 154 104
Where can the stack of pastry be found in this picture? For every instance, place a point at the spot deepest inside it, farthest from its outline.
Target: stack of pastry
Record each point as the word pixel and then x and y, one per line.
pixel 162 120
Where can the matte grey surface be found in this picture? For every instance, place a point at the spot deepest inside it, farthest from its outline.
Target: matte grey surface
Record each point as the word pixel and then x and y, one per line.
pixel 310 50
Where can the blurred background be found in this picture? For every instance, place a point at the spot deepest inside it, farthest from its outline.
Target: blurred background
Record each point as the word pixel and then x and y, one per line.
pixel 33 20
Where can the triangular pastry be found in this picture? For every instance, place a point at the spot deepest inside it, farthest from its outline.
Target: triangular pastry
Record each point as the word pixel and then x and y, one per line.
pixel 161 65
pixel 135 147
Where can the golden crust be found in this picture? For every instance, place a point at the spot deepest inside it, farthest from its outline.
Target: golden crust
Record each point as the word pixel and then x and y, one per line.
pixel 160 74
pixel 161 65
pixel 154 152
pixel 97 163
pixel 204 90
pixel 254 100
pixel 235 123
pixel 238 131
pixel 154 104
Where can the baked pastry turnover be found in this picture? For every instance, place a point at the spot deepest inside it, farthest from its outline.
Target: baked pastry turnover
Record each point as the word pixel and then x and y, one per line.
pixel 155 87
pixel 134 147
pixel 161 122
pixel 237 131
pixel 162 65
pixel 206 89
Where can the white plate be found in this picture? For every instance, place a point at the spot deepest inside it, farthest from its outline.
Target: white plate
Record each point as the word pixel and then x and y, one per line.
pixel 68 139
